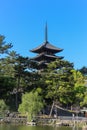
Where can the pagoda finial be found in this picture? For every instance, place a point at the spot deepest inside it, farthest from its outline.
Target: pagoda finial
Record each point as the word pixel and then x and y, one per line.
pixel 46 32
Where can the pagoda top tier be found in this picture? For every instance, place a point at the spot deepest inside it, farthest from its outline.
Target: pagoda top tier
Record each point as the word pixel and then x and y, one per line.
pixel 46 46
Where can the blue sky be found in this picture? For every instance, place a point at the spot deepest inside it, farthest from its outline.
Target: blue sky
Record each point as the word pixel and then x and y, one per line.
pixel 22 22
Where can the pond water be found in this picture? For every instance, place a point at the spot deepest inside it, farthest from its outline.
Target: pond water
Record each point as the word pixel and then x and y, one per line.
pixel 15 127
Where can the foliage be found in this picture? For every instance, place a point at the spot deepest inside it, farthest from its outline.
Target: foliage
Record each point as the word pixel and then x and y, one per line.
pixel 7 84
pixel 3 106
pixel 60 83
pixel 84 102
pixel 4 47
pixel 65 85
pixel 83 70
pixel 79 87
pixel 13 76
pixel 31 104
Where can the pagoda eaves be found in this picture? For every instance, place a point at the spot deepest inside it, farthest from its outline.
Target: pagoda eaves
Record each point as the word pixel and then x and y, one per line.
pixel 46 57
pixel 46 46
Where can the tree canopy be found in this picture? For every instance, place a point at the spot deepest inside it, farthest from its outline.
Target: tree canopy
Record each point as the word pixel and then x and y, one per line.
pixel 59 82
pixel 31 104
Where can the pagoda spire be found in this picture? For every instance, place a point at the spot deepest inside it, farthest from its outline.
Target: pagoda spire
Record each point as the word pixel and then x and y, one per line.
pixel 46 32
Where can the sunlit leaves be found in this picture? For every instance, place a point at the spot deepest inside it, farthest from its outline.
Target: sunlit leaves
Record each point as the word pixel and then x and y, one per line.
pixel 31 104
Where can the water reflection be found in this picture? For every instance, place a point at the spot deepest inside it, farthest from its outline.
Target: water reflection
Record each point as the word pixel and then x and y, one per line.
pixel 76 128
pixel 15 127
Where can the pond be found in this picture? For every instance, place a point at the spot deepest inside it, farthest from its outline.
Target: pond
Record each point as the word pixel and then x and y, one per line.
pixel 19 127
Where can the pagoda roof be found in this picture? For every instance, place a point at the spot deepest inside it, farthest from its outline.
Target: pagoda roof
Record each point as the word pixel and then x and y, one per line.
pixel 46 46
pixel 49 57
pixel 45 52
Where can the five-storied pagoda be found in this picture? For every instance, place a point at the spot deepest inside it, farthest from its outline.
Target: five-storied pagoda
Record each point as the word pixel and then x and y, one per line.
pixel 45 53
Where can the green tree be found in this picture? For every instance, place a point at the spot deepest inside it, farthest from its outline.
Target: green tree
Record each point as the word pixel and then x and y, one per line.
pixel 84 102
pixel 21 76
pixel 3 106
pixel 60 84
pixel 79 87
pixel 83 70
pixel 4 47
pixel 7 65
pixel 15 76
pixel 7 77
pixel 31 104
pixel 12 71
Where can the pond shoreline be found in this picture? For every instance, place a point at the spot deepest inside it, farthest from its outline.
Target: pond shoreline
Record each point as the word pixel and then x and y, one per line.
pixel 46 121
